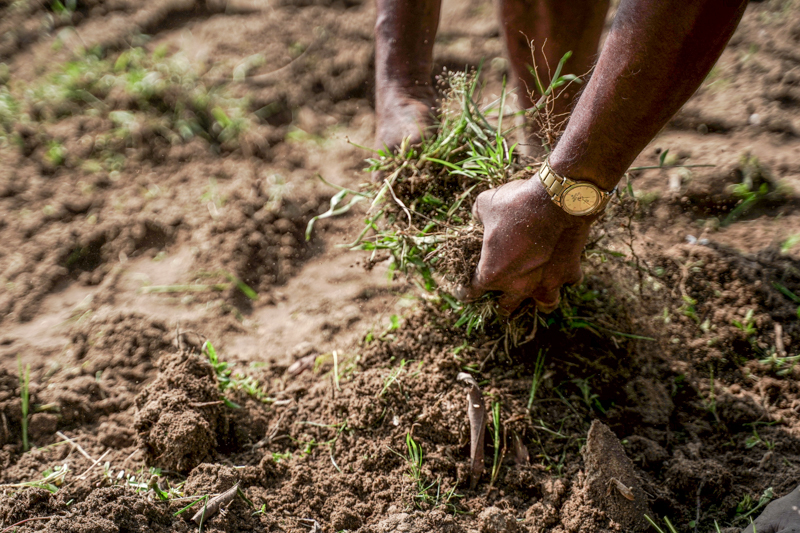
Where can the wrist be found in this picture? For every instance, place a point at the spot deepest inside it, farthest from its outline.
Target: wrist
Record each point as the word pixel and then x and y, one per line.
pixel 579 169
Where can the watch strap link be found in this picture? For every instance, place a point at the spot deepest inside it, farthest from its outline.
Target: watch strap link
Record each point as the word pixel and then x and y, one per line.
pixel 555 185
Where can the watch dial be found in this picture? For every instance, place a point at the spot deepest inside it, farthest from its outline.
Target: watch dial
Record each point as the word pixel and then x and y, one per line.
pixel 580 199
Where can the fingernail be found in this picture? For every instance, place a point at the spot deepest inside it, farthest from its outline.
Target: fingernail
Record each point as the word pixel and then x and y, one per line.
pixel 547 307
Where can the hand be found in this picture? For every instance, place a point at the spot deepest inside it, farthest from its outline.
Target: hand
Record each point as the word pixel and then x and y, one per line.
pixel 530 246
pixel 780 516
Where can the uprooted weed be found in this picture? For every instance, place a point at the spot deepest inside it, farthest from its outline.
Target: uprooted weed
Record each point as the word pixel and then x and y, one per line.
pixel 420 211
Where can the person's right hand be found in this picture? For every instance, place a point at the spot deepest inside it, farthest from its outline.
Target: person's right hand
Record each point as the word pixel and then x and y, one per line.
pixel 780 516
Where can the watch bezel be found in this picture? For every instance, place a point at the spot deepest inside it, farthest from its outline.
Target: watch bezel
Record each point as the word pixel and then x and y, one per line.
pixel 588 210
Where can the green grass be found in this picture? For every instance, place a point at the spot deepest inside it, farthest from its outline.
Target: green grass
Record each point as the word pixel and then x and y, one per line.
pixel 755 187
pixel 419 215
pixel 498 459
pixel 233 281
pixel 392 377
pixel 425 495
pixel 143 96
pixel 781 365
pixel 790 242
pixel 755 439
pixel 24 388
pixel 748 506
pixel 536 381
pixel 670 527
pixel 50 480
pixel 230 381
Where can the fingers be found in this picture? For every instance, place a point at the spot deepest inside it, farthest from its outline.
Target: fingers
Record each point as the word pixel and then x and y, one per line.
pixel 508 302
pixel 548 306
pixel 480 201
pixel 545 290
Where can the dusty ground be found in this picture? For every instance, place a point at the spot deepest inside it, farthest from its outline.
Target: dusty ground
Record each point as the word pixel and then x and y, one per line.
pixel 130 209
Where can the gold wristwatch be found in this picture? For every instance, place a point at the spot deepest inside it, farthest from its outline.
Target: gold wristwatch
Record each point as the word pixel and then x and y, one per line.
pixel 579 198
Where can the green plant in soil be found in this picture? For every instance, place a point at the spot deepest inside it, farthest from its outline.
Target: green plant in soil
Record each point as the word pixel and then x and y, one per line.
pixel 419 214
pixel 51 480
pixel 24 393
pixel 424 493
pixel 755 439
pixel 748 326
pixel 498 459
pixel 782 365
pixel 747 506
pixel 536 381
pixel 228 380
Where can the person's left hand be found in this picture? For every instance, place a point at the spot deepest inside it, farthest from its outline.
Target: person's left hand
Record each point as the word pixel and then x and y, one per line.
pixel 531 247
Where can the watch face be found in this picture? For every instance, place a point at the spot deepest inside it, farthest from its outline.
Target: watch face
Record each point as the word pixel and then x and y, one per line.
pixel 580 199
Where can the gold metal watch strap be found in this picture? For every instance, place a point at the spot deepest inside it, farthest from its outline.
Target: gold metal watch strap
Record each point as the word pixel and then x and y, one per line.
pixel 553 183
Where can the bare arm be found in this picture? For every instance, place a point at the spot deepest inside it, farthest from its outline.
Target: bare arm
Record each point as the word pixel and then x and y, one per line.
pixel 657 54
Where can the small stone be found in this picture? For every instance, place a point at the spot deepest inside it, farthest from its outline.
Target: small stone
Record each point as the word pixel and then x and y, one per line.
pixel 702 129
pixel 675 181
pixel 754 119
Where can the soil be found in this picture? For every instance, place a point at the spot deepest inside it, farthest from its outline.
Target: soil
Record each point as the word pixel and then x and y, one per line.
pixel 671 369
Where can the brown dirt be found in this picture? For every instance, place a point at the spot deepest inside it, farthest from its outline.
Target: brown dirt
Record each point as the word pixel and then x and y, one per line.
pixel 698 413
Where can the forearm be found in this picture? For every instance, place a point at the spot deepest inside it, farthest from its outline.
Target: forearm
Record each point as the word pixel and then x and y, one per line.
pixel 655 57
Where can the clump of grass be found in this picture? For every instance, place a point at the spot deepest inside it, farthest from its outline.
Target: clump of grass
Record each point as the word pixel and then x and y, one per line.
pixel 757 187
pixel 50 480
pixel 747 506
pixel 420 212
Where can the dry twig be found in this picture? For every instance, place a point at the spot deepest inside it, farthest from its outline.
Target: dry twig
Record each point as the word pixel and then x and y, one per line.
pixel 213 505
pixel 12 526
pixel 477 422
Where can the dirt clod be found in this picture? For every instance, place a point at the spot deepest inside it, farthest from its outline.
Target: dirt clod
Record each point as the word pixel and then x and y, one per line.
pixel 174 434
pixel 611 481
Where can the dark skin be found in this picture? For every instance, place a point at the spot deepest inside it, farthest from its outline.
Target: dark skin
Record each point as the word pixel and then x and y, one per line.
pixel 656 55
pixel 404 35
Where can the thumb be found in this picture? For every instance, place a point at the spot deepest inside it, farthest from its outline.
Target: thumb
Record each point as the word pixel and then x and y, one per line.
pixel 479 204
pixel 473 291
